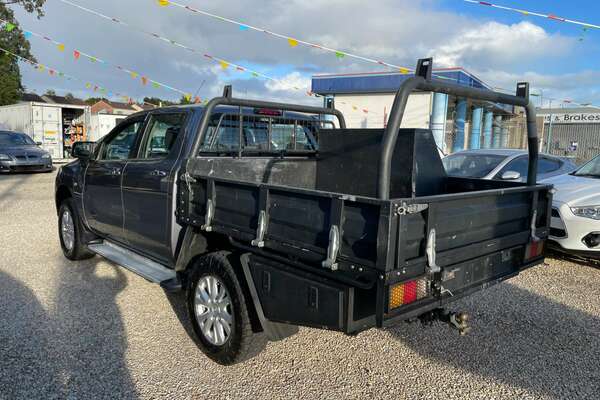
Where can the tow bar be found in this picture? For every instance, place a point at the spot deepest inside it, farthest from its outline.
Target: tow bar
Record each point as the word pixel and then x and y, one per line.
pixel 455 320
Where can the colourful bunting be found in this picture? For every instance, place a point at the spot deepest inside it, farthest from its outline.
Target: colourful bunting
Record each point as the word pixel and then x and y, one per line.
pixel 340 55
pixel 243 27
pixel 27 35
pixel 536 14
pixel 292 42
pixel 88 85
pixel 144 80
pixel 404 70
pixel 224 64
pixel 197 100
pixel 163 3
pixel 93 59
pixel 9 27
pixel 61 47
pixel 41 67
pixel 188 97
pixel 76 54
pixel 156 85
pixel 134 75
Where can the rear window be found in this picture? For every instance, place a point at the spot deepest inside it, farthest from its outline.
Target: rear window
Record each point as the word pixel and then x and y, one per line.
pixel 471 165
pixel 258 135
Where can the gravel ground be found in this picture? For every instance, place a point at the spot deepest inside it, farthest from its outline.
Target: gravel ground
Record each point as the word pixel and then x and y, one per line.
pixel 92 330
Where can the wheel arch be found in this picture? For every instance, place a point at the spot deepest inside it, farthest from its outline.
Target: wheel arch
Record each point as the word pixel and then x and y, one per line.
pixel 62 193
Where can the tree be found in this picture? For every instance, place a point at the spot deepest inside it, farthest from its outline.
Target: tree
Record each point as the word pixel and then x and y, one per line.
pixel 50 92
pixel 13 40
pixel 158 101
pixel 69 96
pixel 92 100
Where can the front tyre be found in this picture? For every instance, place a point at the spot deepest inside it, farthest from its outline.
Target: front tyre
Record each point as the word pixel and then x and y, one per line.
pixel 70 232
pixel 219 313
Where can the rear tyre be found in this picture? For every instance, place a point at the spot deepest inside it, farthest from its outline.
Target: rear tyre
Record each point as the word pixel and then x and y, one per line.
pixel 219 313
pixel 70 232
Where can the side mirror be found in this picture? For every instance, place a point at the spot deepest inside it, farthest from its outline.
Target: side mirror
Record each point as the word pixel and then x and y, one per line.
pixel 510 176
pixel 82 150
pixel 38 143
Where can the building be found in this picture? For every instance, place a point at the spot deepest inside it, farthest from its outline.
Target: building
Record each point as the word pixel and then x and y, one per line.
pixel 53 121
pixel 106 115
pixel 112 107
pixel 572 132
pixel 457 123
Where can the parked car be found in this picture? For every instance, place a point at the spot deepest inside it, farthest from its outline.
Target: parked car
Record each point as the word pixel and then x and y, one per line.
pixel 575 225
pixel 264 233
pixel 503 164
pixel 19 153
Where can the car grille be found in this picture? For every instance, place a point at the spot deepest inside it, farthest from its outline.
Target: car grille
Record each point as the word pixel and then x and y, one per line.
pixel 27 157
pixel 25 168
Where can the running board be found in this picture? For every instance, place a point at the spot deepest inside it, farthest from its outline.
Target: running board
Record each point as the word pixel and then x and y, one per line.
pixel 144 267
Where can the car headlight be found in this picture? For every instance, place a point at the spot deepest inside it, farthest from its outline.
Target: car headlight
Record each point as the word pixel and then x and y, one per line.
pixel 46 156
pixel 4 157
pixel 592 212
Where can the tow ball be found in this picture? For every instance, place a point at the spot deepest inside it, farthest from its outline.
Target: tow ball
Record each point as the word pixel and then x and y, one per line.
pixel 456 320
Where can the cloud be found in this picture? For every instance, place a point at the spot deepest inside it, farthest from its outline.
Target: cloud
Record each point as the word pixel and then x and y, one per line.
pixel 398 31
pixel 501 45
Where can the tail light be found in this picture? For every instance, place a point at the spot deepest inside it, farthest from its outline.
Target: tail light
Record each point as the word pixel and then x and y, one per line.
pixel 534 249
pixel 408 292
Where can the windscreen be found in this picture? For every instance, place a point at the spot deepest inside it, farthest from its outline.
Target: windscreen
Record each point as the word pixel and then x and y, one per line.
pixel 15 139
pixel 591 169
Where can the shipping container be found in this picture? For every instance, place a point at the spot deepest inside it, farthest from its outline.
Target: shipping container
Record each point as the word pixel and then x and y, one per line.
pixel 47 124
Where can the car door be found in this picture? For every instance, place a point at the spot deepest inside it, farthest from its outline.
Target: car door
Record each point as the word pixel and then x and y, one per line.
pixel 102 200
pixel 147 186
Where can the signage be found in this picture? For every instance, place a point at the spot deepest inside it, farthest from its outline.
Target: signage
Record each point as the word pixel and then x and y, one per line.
pixel 574 118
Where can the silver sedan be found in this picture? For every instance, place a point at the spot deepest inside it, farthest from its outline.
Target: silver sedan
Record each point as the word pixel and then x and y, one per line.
pixel 503 164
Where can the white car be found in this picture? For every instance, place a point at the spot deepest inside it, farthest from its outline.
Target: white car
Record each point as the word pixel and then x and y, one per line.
pixel 575 225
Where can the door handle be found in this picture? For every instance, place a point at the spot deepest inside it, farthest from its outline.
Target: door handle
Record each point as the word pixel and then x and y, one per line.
pixel 158 172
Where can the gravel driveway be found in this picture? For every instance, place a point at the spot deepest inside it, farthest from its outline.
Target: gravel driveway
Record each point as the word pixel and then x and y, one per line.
pixel 92 330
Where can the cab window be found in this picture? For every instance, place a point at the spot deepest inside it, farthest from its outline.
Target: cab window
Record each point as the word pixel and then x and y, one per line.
pixel 121 143
pixel 162 133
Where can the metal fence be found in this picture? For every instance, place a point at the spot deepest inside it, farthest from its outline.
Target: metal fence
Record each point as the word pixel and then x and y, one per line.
pixel 586 137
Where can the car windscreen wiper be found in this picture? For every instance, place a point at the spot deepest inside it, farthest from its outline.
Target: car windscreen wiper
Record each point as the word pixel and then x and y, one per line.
pixel 588 175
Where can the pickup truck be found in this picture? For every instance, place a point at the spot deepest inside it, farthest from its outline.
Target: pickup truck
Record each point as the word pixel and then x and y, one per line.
pixel 272 216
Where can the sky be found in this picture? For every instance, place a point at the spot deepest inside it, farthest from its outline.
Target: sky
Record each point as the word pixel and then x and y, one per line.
pixel 560 60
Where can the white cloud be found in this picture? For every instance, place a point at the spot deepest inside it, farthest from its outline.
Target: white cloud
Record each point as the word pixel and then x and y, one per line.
pixel 501 45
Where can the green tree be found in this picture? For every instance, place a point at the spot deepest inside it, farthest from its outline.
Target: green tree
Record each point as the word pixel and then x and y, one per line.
pixel 93 100
pixel 50 92
pixel 158 101
pixel 12 40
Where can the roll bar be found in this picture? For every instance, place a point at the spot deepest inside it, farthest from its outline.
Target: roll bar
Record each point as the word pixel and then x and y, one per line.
pixel 228 100
pixel 422 81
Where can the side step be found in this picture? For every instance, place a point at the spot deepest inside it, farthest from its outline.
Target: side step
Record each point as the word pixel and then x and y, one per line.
pixel 148 269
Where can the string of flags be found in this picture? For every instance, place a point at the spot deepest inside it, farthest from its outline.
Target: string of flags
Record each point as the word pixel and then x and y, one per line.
pixel 292 42
pixel 223 63
pixel 536 14
pixel 56 73
pixel 77 54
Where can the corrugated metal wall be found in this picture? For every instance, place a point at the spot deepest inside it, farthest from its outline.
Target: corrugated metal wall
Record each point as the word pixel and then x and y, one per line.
pixel 586 135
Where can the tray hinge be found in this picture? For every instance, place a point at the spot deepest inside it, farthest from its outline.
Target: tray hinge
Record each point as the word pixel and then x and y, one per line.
pixel 405 209
pixel 260 230
pixel 210 212
pixel 430 249
pixel 332 249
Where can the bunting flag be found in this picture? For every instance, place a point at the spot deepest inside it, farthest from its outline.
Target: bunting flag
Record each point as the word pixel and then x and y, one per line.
pixel 224 64
pixel 27 35
pixel 532 13
pixel 54 72
pixel 163 3
pixel 77 54
pixel 9 27
pixel 293 42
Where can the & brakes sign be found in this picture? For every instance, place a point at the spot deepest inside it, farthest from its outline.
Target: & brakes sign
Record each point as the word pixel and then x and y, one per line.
pixel 575 118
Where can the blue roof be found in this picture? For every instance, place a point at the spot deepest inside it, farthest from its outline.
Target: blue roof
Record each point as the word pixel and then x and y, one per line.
pixel 384 82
